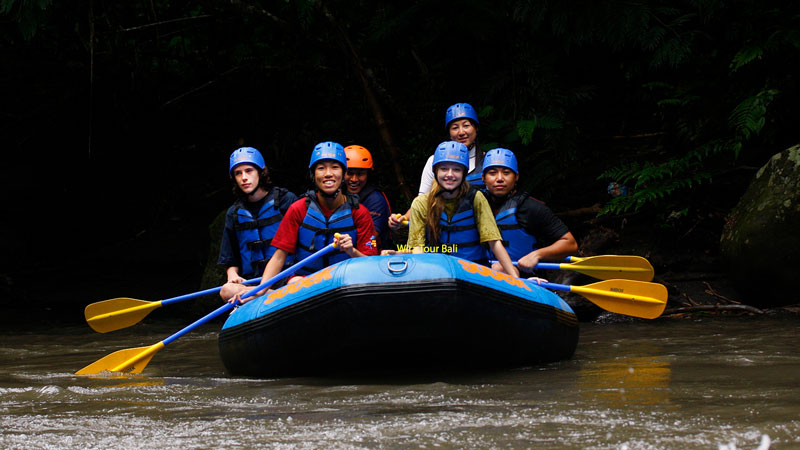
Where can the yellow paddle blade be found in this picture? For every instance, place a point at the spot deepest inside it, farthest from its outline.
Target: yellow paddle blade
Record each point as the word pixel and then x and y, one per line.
pixel 131 360
pixel 117 313
pixel 608 267
pixel 628 297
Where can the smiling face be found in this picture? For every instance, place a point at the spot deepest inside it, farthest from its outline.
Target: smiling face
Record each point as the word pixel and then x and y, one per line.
pixel 246 176
pixel 328 176
pixel 462 130
pixel 449 175
pixel 500 181
pixel 355 180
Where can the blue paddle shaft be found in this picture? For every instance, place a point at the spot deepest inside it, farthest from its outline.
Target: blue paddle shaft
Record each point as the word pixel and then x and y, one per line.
pixel 541 265
pixel 555 286
pixel 228 306
pixel 215 290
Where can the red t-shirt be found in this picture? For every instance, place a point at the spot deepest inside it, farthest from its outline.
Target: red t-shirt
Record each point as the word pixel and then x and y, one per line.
pixel 286 236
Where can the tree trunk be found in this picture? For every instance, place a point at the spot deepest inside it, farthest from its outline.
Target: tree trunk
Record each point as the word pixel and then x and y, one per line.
pixel 377 111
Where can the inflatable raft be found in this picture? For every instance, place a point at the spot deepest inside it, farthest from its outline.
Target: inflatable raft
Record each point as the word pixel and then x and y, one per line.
pixel 400 312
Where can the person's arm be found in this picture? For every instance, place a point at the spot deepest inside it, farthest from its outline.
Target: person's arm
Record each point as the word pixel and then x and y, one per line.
pixel 228 247
pixel 502 257
pixel 365 232
pixel 274 267
pixel 395 222
pixel 426 180
pixel 558 250
pixel 286 236
pixel 379 211
pixel 484 219
pixel 416 222
pixel 233 275
pixel 556 239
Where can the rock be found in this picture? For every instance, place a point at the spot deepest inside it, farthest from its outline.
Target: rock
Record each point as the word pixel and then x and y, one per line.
pixel 214 274
pixel 760 240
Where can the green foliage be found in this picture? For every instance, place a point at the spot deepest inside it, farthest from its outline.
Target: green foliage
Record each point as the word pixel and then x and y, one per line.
pixel 525 128
pixel 749 116
pixel 28 14
pixel 651 184
pixel 746 55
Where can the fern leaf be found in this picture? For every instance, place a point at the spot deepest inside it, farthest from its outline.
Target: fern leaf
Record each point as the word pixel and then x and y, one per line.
pixel 745 56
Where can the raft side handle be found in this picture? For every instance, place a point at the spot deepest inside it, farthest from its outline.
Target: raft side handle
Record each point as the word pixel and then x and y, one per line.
pixel 397 261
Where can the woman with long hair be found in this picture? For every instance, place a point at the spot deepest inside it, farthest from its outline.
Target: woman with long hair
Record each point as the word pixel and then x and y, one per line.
pixel 454 217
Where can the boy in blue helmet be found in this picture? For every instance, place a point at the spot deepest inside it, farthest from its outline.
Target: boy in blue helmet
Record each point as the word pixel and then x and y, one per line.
pixel 531 232
pixel 252 221
pixel 311 222
pixel 461 122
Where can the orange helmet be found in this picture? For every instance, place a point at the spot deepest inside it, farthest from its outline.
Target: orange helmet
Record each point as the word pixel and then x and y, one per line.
pixel 358 157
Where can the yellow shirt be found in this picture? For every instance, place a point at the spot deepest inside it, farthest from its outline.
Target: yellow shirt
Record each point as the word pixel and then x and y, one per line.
pixel 484 219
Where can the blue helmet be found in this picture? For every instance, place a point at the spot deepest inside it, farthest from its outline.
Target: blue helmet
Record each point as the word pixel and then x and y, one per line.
pixel 460 111
pixel 328 150
pixel 246 155
pixel 500 157
pixel 451 151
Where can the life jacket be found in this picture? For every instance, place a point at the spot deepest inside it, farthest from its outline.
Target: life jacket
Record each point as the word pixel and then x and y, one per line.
pixel 385 235
pixel 255 233
pixel 516 240
pixel 461 231
pixel 475 178
pixel 316 232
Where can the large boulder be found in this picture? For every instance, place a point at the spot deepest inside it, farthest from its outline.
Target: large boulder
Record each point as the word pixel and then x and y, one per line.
pixel 761 240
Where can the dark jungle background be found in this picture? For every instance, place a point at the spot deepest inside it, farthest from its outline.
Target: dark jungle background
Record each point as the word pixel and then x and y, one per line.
pixel 118 117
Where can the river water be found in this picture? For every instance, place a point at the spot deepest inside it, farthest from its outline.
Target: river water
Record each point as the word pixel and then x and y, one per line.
pixel 683 384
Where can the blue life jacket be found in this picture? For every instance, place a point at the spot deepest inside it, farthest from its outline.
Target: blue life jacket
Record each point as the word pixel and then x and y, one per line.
pixel 516 240
pixel 475 178
pixel 316 232
pixel 255 233
pixel 461 231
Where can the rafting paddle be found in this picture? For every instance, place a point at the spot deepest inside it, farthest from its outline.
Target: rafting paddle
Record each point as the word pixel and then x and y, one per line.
pixel 605 267
pixel 628 297
pixel 134 360
pixel 122 312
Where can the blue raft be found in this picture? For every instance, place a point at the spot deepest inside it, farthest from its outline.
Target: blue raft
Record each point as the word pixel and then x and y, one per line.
pixel 400 312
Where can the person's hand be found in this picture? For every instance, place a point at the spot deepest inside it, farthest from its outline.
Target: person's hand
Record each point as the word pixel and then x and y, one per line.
pixel 537 280
pixel 237 299
pixel 345 243
pixel 396 221
pixel 497 267
pixel 528 262
pixel 397 252
pixel 236 279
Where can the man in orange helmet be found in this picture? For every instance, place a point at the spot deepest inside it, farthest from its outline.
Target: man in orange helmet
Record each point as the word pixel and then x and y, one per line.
pixel 359 164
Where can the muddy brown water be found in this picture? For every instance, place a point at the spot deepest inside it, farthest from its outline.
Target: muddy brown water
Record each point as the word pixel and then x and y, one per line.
pixel 684 384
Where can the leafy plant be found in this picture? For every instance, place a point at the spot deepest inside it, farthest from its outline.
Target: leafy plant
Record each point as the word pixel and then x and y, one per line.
pixel 650 183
